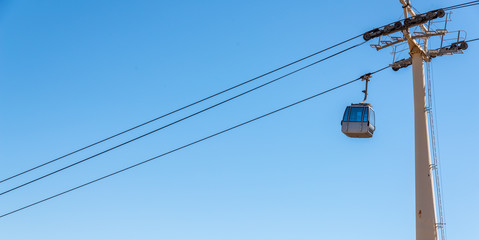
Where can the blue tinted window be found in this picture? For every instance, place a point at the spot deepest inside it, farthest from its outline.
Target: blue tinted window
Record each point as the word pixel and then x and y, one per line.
pixel 365 115
pixel 356 114
pixel 346 113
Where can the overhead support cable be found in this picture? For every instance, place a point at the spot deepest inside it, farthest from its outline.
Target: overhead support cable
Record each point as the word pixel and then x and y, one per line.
pixel 389 27
pixel 179 109
pixel 462 5
pixel 472 40
pixel 189 144
pixel 180 120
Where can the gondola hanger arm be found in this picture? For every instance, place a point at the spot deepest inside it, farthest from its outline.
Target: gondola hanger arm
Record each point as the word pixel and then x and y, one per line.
pixel 366 77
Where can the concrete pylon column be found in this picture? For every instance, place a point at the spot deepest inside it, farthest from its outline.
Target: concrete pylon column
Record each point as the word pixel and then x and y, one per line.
pixel 425 202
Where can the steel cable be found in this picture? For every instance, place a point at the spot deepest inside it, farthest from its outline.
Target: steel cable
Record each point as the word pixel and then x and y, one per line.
pixel 178 121
pixel 462 5
pixel 188 145
pixel 179 109
pixel 472 3
pixel 472 40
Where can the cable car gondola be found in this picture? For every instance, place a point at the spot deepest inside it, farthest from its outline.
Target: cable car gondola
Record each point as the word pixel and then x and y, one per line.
pixel 358 119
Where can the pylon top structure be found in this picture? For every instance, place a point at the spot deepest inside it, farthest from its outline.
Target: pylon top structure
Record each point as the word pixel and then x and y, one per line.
pixel 451 42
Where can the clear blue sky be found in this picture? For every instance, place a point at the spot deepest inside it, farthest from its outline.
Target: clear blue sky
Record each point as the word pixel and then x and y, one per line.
pixel 72 72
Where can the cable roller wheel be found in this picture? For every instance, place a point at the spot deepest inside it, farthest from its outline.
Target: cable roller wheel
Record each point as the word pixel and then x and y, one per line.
pixel 367 36
pixel 440 13
pixel 397 25
pixel 407 22
pixel 431 15
pixel 463 45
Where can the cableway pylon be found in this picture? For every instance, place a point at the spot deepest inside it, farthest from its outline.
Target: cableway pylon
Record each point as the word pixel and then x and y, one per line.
pixel 416 30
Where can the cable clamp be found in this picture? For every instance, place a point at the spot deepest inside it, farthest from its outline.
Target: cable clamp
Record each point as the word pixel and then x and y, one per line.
pixel 366 77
